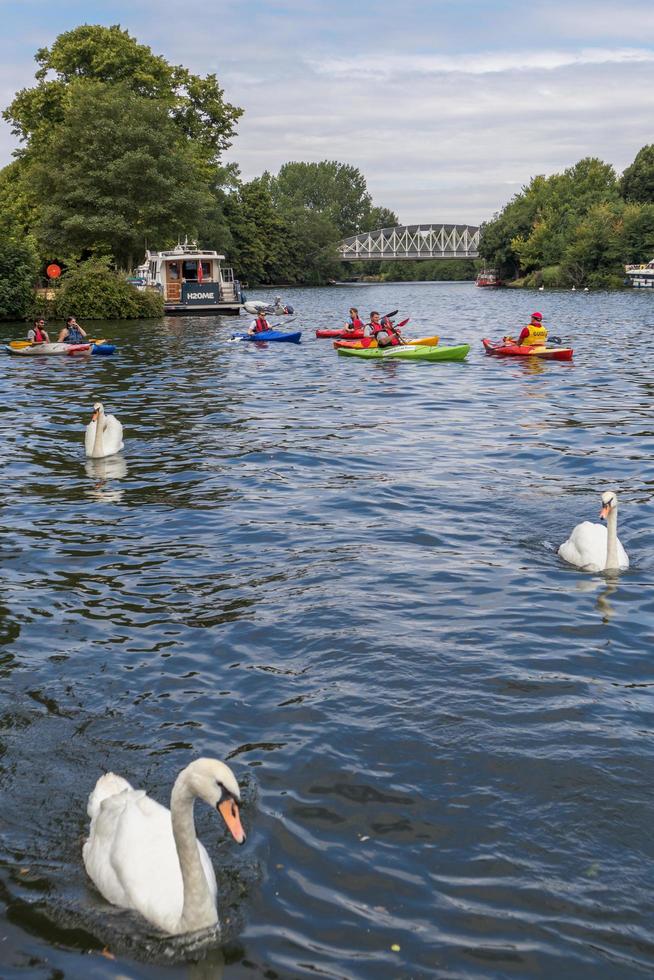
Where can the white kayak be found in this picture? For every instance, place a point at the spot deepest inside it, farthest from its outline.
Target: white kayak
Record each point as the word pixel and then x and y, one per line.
pixel 255 307
pixel 41 349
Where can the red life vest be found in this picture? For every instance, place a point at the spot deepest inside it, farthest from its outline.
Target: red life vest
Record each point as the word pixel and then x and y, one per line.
pixel 38 335
pixel 385 326
pixel 261 325
pixel 355 324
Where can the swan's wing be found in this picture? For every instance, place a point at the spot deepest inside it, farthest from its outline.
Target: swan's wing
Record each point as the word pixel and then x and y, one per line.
pixel 623 557
pixel 586 546
pixel 113 433
pixel 106 814
pixel 208 869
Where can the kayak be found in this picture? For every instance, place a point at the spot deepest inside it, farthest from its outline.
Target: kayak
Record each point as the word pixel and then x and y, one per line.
pixel 340 334
pixel 103 349
pixel 292 338
pixel 40 349
pixel 369 342
pixel 17 344
pixel 408 353
pixel 255 307
pixel 516 350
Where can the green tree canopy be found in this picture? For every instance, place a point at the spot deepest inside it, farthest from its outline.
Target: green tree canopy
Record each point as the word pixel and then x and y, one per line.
pixel 637 182
pixel 335 190
pixel 110 55
pixel 112 174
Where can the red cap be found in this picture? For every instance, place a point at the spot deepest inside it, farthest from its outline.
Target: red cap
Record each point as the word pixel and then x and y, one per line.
pixel 537 316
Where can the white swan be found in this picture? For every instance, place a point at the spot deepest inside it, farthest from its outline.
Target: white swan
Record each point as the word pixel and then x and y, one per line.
pixel 142 856
pixel 594 547
pixel 104 434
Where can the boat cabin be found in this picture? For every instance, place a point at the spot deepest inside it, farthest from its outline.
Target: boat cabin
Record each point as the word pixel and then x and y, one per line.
pixel 192 280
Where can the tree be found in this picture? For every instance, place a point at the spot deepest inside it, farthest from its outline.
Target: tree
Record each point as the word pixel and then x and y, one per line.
pixel 111 56
pixel 18 270
pixel 637 182
pixel 335 190
pixel 112 174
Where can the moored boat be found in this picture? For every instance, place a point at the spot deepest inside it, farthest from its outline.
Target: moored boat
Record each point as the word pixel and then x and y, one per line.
pixel 641 276
pixel 488 278
pixel 192 280
pixel 505 349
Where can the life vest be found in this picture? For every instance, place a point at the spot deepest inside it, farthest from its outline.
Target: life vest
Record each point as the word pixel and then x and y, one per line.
pixel 39 338
pixel 355 323
pixel 261 325
pixel 74 335
pixel 537 335
pixel 386 327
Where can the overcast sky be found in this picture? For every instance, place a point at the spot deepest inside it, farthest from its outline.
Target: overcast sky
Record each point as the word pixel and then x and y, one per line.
pixel 447 106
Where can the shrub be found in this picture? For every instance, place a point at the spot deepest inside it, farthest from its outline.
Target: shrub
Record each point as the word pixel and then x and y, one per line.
pixel 93 291
pixel 18 270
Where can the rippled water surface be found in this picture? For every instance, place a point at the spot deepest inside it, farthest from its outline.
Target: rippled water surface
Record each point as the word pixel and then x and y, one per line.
pixel 342 578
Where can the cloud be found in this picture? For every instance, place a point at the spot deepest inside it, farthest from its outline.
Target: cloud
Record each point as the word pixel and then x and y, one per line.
pixel 388 65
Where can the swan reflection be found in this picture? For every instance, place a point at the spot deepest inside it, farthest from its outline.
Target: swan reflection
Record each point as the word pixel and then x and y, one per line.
pixel 101 471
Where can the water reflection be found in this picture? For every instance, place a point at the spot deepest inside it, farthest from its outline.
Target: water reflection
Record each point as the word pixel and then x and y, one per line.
pixel 102 471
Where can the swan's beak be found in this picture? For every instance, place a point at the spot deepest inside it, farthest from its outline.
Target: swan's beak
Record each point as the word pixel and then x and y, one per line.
pixel 604 513
pixel 229 813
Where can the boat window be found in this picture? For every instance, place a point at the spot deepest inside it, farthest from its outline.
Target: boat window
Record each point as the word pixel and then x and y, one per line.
pixel 190 270
pixel 206 269
pixel 173 270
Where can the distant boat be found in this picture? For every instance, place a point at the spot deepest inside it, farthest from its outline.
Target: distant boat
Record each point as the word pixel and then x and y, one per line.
pixel 488 277
pixel 640 275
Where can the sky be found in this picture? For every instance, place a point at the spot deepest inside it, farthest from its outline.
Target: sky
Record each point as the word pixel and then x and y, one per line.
pixel 448 107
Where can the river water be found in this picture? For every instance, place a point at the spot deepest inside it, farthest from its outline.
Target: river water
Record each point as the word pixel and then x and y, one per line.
pixel 342 578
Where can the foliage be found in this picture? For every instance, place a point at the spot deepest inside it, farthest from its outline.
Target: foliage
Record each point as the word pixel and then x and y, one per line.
pixel 18 270
pixel 111 56
pixel 91 290
pixel 112 175
pixel 572 228
pixel 429 270
pixel 337 191
pixel 637 182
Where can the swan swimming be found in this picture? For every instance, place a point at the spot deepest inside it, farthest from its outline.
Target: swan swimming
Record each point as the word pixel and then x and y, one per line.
pixel 104 434
pixel 594 547
pixel 142 856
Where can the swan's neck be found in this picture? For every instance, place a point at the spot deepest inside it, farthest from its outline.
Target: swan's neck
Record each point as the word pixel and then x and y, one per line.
pixel 98 448
pixel 612 539
pixel 199 909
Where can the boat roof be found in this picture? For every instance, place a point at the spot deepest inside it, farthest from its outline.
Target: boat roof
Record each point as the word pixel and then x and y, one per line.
pixel 186 249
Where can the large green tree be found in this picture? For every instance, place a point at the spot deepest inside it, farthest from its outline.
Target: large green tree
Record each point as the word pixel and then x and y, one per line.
pixel 113 175
pixel 637 182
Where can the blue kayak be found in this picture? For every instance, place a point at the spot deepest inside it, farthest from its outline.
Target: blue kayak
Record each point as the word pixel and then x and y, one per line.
pixel 291 338
pixel 103 349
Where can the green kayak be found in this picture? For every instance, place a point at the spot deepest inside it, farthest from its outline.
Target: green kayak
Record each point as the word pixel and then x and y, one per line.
pixel 408 353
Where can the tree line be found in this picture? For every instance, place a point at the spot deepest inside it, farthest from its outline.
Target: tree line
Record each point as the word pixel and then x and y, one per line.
pixel 120 150
pixel 577 228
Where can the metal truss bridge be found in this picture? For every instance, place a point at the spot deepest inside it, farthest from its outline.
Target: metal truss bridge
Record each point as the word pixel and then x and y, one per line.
pixel 412 242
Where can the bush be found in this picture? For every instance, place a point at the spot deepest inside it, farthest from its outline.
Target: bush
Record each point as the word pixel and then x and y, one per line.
pixel 93 291
pixel 18 270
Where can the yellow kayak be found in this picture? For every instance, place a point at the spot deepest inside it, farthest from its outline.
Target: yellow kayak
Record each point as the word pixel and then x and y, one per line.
pixel 368 343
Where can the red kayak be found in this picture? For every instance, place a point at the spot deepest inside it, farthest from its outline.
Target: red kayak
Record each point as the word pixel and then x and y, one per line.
pixel 341 334
pixel 516 350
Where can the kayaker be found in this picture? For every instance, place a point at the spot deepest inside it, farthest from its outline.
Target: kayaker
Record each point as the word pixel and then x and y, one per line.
pixel 260 324
pixel 38 333
pixel 534 334
pixel 384 331
pixel 72 333
pixel 354 321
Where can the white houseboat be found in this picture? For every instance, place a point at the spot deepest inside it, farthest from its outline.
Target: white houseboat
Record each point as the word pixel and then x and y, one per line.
pixel 641 275
pixel 192 280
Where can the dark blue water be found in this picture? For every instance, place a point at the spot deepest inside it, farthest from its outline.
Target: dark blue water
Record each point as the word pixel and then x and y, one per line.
pixel 342 578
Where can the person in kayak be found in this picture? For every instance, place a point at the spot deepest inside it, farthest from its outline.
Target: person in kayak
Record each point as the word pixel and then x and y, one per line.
pixel 383 331
pixel 533 335
pixel 354 320
pixel 260 325
pixel 72 333
pixel 38 334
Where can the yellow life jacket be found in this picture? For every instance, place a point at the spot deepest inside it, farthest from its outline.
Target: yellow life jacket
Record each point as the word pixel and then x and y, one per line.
pixel 536 337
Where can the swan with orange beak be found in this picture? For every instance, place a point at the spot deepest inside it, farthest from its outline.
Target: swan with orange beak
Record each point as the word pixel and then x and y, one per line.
pixel 594 547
